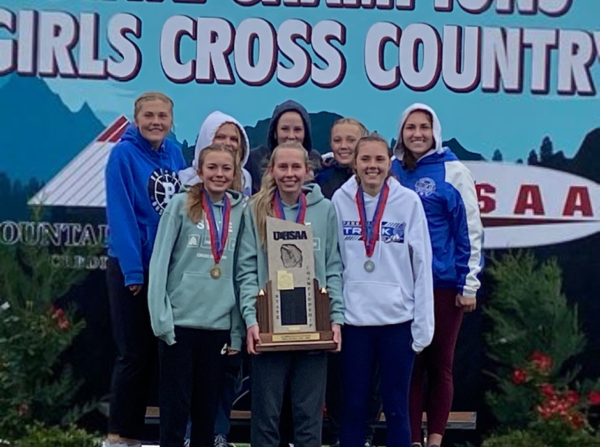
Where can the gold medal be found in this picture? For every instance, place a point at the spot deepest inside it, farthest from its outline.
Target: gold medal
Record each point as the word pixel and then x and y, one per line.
pixel 215 272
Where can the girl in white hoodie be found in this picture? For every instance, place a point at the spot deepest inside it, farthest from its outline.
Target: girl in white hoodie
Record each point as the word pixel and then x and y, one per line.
pixel 388 290
pixel 226 130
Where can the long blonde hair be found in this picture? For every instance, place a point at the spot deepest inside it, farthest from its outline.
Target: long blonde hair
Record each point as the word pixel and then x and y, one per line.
pixel 262 201
pixel 195 197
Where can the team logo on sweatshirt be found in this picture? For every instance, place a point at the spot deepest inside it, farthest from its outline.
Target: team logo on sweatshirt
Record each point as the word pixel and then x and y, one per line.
pixel 425 186
pixel 163 184
pixel 392 232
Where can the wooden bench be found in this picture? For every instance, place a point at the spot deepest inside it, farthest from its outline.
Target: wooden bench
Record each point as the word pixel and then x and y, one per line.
pixel 458 420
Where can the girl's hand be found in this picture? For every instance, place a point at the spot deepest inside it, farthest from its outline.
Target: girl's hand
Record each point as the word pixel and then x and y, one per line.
pixel 232 351
pixel 337 336
pixel 467 304
pixel 135 288
pixel 252 338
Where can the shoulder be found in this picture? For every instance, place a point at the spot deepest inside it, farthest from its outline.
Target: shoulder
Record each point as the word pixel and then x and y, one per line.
pixel 457 174
pixel 177 204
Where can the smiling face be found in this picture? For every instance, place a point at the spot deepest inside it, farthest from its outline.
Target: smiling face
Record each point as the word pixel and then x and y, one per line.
pixel 372 164
pixel 417 133
pixel 154 120
pixel 289 169
pixel 217 171
pixel 290 127
pixel 343 142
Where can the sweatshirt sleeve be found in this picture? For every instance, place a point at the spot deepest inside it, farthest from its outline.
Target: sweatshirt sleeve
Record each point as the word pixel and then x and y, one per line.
pixel 237 328
pixel 161 312
pixel 421 258
pixel 334 268
pixel 247 268
pixel 466 226
pixel 122 222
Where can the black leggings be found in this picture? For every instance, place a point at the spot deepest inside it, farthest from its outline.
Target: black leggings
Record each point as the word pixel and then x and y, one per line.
pixel 137 355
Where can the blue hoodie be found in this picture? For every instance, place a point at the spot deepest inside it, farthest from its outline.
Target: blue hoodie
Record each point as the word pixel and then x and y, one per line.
pixel 140 181
pixel 447 191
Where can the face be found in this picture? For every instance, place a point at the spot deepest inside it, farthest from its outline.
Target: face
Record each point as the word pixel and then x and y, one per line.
pixel 372 164
pixel 289 170
pixel 290 127
pixel 343 142
pixel 228 135
pixel 154 120
pixel 217 172
pixel 417 133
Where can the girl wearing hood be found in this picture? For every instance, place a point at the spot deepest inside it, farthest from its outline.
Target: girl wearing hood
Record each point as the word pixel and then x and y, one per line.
pixel 222 129
pixel 290 122
pixel 388 290
pixel 141 179
pixel 284 195
pixel 192 301
pixel 447 191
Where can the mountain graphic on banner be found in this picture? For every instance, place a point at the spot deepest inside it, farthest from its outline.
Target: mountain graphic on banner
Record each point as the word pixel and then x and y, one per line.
pixel 53 134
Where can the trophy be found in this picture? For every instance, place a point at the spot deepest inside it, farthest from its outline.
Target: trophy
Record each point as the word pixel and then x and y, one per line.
pixel 292 310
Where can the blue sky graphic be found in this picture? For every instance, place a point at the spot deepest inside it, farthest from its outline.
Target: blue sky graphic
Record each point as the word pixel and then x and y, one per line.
pixel 482 122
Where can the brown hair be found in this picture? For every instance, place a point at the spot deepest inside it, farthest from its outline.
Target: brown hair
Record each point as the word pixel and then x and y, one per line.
pixel 263 199
pixel 371 138
pixel 151 96
pixel 409 160
pixel 195 195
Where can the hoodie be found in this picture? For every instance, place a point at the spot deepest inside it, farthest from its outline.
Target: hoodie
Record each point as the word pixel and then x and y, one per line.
pixel 447 190
pixel 259 156
pixel 140 182
pixel 400 289
pixel 332 176
pixel 252 264
pixel 205 138
pixel 181 291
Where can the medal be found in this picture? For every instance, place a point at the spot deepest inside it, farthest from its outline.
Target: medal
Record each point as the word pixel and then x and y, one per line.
pixel 218 237
pixel 278 207
pixel 370 229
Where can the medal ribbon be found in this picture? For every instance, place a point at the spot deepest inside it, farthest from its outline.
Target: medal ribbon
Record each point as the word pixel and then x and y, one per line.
pixel 218 238
pixel 370 230
pixel 278 207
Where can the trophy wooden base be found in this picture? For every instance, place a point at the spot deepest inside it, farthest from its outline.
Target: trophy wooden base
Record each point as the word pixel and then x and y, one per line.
pixel 321 339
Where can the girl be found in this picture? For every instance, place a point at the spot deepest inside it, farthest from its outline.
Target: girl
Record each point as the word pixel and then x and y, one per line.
pixel 388 290
pixel 337 169
pixel 141 178
pixel 345 133
pixel 290 122
pixel 192 301
pixel 224 129
pixel 283 194
pixel 447 191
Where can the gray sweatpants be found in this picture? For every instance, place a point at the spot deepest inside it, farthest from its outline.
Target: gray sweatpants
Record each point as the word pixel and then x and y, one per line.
pixel 307 374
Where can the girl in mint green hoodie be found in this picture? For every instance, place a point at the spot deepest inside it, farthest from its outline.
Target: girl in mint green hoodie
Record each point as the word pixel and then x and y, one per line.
pixel 192 300
pixel 284 195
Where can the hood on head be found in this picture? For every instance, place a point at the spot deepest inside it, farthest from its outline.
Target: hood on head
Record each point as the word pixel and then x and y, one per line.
pixel 399 149
pixel 205 137
pixel 289 106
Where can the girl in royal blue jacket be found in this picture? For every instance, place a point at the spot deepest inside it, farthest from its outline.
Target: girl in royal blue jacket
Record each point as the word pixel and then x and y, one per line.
pixel 141 179
pixel 447 191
